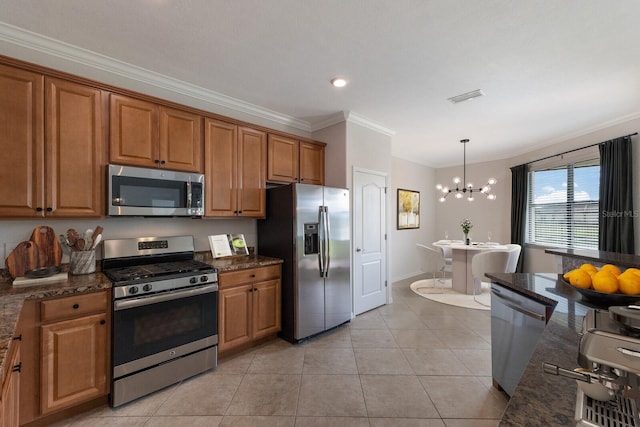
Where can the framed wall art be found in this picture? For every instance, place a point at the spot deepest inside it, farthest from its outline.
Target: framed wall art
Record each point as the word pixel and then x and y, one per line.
pixel 408 209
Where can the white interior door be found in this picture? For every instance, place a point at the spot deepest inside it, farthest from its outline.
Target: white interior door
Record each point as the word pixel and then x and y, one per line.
pixel 369 240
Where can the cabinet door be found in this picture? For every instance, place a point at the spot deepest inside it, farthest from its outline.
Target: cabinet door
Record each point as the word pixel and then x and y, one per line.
pixel 10 399
pixel 234 318
pixel 74 138
pixel 266 308
pixel 282 159
pixel 74 362
pixel 221 158
pixel 311 163
pixel 180 140
pixel 22 142
pixel 252 172
pixel 133 136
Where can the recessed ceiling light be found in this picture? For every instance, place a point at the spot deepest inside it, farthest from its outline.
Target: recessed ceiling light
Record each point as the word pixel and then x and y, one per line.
pixel 339 81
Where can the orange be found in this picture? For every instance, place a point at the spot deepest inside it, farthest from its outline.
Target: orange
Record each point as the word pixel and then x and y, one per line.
pixel 629 283
pixel 589 268
pixel 580 279
pixel 612 268
pixel 605 281
pixel 632 270
pixel 567 275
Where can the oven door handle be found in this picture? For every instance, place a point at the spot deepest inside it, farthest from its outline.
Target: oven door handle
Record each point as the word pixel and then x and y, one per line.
pixel 169 296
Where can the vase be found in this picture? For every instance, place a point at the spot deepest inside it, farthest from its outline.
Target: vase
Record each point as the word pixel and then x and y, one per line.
pixel 467 240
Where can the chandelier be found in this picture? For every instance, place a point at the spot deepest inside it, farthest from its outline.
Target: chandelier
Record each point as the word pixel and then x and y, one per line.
pixel 467 189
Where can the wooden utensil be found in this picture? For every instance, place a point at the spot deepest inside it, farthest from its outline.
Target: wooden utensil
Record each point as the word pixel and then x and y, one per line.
pixel 24 257
pixel 45 238
pixel 95 234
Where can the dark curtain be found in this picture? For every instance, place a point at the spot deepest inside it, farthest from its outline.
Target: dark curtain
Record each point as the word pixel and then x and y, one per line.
pixel 616 197
pixel 519 208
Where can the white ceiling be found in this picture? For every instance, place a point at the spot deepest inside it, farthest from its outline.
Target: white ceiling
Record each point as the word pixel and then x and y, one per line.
pixel 550 69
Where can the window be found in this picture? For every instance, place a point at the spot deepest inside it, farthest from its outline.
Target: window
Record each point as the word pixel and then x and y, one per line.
pixel 562 206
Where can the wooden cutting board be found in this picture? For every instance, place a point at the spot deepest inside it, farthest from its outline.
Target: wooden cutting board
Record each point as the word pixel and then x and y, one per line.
pixel 45 238
pixel 24 257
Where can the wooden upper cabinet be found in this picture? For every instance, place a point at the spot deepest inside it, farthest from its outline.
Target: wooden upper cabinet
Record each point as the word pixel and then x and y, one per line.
pixel 235 170
pixel 22 142
pixel 51 132
pixel 180 140
pixel 252 173
pixel 283 159
pixel 74 141
pixel 290 160
pixel 149 135
pixel 311 163
pixel 221 160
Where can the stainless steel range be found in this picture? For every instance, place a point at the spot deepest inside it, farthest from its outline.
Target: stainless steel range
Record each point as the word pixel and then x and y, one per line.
pixel 165 314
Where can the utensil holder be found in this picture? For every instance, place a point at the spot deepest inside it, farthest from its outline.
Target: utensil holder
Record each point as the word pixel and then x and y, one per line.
pixel 82 262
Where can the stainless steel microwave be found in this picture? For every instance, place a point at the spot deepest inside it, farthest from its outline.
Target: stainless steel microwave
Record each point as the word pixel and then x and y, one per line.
pixel 137 191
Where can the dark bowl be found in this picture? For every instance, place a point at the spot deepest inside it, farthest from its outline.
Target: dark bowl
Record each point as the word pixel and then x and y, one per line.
pixel 37 273
pixel 603 297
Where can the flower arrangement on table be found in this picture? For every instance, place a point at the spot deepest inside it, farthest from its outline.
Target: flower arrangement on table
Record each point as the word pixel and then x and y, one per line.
pixel 466 225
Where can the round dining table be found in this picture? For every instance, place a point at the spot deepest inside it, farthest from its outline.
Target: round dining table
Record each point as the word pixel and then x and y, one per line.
pixel 461 254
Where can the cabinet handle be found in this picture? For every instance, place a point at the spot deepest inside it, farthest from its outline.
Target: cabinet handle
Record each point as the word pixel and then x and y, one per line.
pixel 39 209
pixel 18 338
pixel 76 306
pixel 162 162
pixel 102 322
pixel 239 212
pixel 156 161
pixel 49 209
pixel 17 368
pixel 252 276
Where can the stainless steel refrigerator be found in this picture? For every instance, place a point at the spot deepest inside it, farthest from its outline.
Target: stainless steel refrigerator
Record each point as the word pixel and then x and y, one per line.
pixel 308 226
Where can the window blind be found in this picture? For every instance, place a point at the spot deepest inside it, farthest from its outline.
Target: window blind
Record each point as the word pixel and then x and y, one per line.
pixel 563 205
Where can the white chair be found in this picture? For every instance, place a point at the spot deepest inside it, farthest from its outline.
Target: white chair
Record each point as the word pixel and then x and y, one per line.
pixel 514 254
pixel 448 258
pixel 431 261
pixel 487 262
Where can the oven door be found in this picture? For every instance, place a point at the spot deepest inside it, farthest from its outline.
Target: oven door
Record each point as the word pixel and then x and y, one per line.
pixel 153 329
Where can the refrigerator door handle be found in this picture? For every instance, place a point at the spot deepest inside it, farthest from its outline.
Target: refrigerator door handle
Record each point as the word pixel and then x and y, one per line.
pixel 321 241
pixel 327 245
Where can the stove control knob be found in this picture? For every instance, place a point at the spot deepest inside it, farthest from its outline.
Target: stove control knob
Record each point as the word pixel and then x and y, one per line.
pixel 133 290
pixel 204 279
pixel 147 287
pixel 193 280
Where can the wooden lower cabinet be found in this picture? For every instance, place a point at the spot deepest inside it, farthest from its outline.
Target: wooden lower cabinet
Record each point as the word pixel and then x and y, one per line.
pixel 65 356
pixel 249 307
pixel 10 397
pixel 74 367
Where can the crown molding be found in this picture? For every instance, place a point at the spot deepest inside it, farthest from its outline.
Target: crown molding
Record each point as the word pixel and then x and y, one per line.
pixel 45 45
pixel 355 118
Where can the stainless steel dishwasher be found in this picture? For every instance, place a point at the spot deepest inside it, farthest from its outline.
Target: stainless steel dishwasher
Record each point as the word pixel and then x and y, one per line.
pixel 517 322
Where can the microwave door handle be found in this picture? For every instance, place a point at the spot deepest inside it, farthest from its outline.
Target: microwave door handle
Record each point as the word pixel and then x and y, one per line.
pixel 189 192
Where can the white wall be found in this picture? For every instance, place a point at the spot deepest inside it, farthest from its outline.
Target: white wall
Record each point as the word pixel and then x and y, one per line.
pixel 403 254
pixel 335 167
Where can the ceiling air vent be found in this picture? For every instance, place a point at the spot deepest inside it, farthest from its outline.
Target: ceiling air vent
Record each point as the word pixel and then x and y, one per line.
pixel 466 96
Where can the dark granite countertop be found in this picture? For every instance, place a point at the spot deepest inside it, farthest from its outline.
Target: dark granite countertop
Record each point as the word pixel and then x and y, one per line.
pixel 12 299
pixel 598 257
pixel 541 399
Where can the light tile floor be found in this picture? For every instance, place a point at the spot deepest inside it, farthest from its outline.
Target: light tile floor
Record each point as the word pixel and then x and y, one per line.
pixel 410 363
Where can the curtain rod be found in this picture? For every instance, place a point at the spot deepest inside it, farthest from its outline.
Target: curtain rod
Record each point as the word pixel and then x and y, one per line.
pixel 576 149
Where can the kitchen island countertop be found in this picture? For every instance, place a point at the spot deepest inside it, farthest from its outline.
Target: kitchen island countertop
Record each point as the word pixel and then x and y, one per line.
pixel 542 399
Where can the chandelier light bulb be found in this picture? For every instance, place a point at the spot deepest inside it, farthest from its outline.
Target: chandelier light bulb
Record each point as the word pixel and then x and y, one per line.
pixel 469 185
pixel 445 189
pixel 491 197
pixel 457 180
pixel 470 198
pixel 492 181
pixel 442 199
pixel 458 195
pixel 486 189
pixel 438 187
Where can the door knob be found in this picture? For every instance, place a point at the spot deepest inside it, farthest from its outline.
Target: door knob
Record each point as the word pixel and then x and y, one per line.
pixel 358 250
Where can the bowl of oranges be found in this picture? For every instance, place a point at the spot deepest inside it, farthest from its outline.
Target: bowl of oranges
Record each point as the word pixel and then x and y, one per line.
pixel 606 284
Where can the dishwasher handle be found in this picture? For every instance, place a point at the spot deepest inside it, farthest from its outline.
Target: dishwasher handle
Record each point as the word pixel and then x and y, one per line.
pixel 515 306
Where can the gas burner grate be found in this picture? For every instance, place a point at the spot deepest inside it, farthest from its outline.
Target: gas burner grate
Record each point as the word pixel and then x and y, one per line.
pixel 618 412
pixel 146 271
